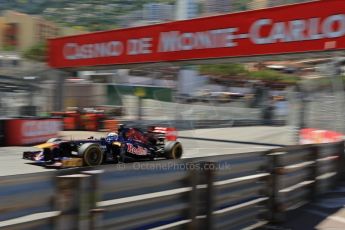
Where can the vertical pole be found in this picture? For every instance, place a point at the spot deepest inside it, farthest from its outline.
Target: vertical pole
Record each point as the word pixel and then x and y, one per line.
pixel 341 162
pixel 30 109
pixel 59 91
pixel 300 113
pixel 193 178
pixel 338 87
pixel 303 110
pixel 140 108
pixel 206 195
pixel 209 168
pixel 202 195
pixel 95 212
pixel 272 187
pixel 333 71
pixel 314 172
pixel 275 205
pixel 72 200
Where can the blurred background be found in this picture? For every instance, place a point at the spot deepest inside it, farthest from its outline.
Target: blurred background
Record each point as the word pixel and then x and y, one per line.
pixel 296 93
pixel 239 110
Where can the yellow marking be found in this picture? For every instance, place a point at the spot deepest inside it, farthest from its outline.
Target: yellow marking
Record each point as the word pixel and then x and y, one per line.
pixel 72 162
pixel 45 145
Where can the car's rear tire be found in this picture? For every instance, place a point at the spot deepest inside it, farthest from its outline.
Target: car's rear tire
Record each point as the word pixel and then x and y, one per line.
pixel 173 150
pixel 92 154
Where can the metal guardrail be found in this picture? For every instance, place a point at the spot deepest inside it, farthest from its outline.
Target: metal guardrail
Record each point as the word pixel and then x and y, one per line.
pixel 301 173
pixel 27 201
pixel 238 191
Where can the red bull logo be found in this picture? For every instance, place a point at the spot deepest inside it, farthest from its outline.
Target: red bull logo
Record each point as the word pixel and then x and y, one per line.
pixel 136 150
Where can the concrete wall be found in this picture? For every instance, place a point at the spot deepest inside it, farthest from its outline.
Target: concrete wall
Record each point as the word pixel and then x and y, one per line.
pixel 84 95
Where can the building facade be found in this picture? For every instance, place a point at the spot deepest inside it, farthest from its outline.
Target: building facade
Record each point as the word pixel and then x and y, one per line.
pixel 20 31
pixel 217 6
pixel 158 12
pixel 2 31
pixel 186 9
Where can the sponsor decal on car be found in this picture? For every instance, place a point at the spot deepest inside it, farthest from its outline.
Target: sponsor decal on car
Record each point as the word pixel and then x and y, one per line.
pixel 72 162
pixel 45 145
pixel 136 150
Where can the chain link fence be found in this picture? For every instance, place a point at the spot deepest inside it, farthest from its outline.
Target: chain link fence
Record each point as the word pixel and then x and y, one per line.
pixel 318 101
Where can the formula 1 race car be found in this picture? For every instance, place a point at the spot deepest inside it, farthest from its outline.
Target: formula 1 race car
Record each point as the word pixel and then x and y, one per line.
pixel 127 145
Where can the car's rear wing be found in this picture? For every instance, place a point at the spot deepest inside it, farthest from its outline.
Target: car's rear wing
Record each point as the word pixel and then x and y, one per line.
pixel 170 133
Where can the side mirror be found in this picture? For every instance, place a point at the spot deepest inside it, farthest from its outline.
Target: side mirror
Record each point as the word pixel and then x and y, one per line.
pixel 90 138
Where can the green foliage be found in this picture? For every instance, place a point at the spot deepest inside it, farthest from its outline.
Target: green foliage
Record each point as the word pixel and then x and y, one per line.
pixel 268 75
pixel 273 76
pixel 37 52
pixel 240 5
pixel 8 48
pixel 80 28
pixel 166 1
pixel 232 69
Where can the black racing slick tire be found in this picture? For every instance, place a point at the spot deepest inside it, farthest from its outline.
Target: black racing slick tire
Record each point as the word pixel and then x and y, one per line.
pixel 173 150
pixel 92 154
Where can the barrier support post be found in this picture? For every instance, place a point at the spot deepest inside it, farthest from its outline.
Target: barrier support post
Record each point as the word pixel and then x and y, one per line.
pixel 73 202
pixel 314 173
pixel 95 212
pixel 341 162
pixel 193 178
pixel 273 203
pixel 209 169
pixel 202 195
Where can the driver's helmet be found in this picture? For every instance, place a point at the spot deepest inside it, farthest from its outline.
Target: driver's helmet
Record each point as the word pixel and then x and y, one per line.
pixel 112 136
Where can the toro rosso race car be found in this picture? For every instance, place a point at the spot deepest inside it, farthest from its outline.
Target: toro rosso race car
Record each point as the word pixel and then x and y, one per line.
pixel 125 145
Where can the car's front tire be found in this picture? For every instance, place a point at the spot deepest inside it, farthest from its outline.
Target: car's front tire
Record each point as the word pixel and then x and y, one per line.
pixel 92 154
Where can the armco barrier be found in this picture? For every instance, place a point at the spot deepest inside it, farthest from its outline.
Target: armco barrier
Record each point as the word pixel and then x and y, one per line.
pixel 301 173
pixel 233 191
pixel 26 201
pixel 239 198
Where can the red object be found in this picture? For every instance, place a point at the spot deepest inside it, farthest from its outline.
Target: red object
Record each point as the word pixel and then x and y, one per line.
pixel 76 120
pixel 71 119
pixel 70 123
pixel 111 125
pixel 306 27
pixel 90 121
pixel 170 132
pixel 314 136
pixel 23 132
pixel 135 134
